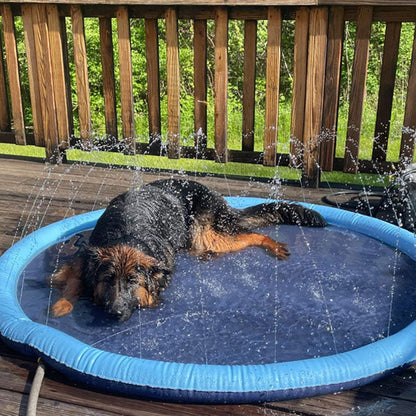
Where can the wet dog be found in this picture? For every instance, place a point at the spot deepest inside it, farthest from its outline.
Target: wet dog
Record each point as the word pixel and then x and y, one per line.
pixel 131 252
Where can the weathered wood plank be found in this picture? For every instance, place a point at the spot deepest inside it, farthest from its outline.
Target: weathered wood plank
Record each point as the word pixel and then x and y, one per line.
pixel 385 95
pixel 200 85
pixel 315 81
pixel 81 72
pixel 32 66
pixel 172 72
pixel 249 83
pixel 274 34
pixel 332 84
pixel 13 73
pixel 126 78
pixel 407 145
pixel 153 84
pixel 300 57
pixel 109 88
pixel 58 73
pixel 358 83
pixel 46 81
pixel 221 83
pixel 4 101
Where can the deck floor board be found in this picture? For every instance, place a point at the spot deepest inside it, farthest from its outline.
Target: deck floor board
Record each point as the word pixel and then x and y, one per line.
pixel 69 190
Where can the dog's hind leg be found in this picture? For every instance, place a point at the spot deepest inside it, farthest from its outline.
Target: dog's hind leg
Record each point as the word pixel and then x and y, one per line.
pixel 68 280
pixel 208 242
pixel 279 213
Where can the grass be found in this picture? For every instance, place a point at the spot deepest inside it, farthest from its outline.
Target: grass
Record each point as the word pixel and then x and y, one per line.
pixel 244 170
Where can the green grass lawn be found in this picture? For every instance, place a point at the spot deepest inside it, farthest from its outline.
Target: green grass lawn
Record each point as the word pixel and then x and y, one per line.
pixel 231 169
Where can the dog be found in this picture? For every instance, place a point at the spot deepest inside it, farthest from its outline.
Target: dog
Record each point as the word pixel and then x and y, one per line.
pixel 131 252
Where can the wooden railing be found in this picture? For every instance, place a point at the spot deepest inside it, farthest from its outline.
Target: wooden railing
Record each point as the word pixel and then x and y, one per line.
pixel 317 51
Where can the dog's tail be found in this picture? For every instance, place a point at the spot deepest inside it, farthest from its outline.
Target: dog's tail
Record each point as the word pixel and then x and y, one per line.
pixel 279 213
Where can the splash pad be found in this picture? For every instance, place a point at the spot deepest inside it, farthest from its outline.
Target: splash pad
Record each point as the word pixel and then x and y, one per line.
pixel 243 306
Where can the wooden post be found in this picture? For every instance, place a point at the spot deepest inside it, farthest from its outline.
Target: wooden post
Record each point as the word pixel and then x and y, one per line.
pixel 172 70
pixel 81 72
pixel 58 74
pixel 385 95
pixel 318 24
pixel 46 82
pixel 200 86
pixel 153 84
pixel 221 83
pixel 249 83
pixel 13 72
pixel 32 66
pixel 407 145
pixel 274 34
pixel 4 101
pixel 109 88
pixel 359 77
pixel 126 78
pixel 299 86
pixel 332 82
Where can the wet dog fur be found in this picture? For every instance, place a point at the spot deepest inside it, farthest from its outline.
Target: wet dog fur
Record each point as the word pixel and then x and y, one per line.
pixel 131 252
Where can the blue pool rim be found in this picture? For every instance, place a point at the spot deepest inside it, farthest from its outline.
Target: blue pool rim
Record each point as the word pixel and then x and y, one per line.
pixel 197 382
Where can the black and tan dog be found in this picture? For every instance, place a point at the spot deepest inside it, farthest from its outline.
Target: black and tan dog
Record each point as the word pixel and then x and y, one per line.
pixel 131 251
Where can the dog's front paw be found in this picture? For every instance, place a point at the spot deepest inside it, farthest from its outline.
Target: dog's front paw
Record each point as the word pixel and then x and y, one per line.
pixel 62 307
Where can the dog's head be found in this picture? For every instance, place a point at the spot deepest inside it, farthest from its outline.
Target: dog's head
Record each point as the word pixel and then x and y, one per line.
pixel 122 278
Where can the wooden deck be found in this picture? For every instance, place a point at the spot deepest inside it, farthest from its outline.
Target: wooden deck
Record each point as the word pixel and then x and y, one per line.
pixel 33 195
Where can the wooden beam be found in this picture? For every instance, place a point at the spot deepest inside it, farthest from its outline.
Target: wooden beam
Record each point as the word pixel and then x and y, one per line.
pixel 58 74
pixel 332 84
pixel 4 101
pixel 249 84
pixel 386 90
pixel 81 72
pixel 46 81
pixel 221 84
pixel 32 66
pixel 109 88
pixel 172 71
pixel 126 78
pixel 358 83
pixel 13 73
pixel 407 145
pixel 274 35
pixel 299 86
pixel 200 85
pixel 318 24
pixel 153 81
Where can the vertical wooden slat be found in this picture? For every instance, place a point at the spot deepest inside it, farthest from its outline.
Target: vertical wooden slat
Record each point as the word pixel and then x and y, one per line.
pixel 315 80
pixel 46 88
pixel 332 83
pixel 109 89
pixel 13 72
pixel 4 101
pixel 46 82
pixel 33 75
pixel 172 70
pixel 358 83
pixel 58 72
pixel 153 84
pixel 249 83
pixel 200 85
pixel 299 85
pixel 126 78
pixel 221 83
pixel 407 145
pixel 274 34
pixel 65 53
pixel 385 95
pixel 81 72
